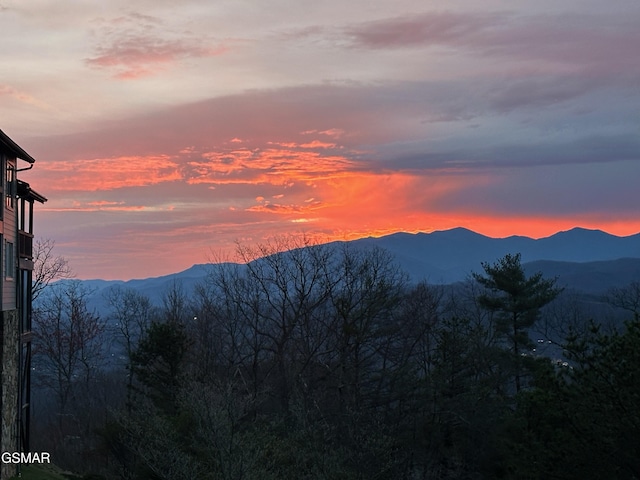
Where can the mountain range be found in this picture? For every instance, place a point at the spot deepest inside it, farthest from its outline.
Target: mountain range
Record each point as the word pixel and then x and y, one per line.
pixel 591 261
pixel 449 256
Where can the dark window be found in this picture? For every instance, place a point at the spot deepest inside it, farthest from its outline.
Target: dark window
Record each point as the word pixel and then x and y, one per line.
pixel 9 187
pixel 9 262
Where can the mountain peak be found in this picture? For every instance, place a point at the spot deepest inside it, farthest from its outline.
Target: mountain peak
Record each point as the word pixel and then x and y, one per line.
pixel 583 230
pixel 458 232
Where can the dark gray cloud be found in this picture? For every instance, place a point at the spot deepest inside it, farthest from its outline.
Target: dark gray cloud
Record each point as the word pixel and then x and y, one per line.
pixel 596 149
pixel 593 43
pixel 561 190
pixel 440 28
pixel 400 125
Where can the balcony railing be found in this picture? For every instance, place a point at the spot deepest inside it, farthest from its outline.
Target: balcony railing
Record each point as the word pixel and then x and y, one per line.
pixel 25 245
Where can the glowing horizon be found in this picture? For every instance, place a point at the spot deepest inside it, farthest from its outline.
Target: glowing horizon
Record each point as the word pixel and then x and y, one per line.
pixel 163 133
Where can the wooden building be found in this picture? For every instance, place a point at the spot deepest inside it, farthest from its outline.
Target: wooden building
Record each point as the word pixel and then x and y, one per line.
pixel 16 267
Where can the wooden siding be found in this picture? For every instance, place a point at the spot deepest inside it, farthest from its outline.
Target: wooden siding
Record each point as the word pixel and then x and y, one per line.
pixel 10 236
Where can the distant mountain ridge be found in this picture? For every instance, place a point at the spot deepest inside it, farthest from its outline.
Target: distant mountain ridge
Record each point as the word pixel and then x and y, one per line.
pixel 591 260
pixel 589 277
pixel 448 256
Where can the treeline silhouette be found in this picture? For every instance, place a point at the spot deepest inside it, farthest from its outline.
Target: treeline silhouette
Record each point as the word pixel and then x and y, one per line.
pixel 319 362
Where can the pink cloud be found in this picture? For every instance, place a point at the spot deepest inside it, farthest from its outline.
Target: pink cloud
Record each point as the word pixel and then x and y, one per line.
pixel 139 45
pixel 8 91
pixel 142 56
pixel 90 207
pixel 333 132
pixel 107 205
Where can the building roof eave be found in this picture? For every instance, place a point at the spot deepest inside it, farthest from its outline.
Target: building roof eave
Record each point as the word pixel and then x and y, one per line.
pixel 25 191
pixel 13 148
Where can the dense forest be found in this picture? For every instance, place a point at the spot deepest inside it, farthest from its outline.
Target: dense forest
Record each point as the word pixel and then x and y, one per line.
pixel 326 363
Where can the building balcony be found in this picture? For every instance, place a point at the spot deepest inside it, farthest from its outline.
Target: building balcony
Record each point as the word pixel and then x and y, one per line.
pixel 25 245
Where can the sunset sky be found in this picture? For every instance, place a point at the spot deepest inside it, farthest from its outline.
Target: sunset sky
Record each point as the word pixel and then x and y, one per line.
pixel 166 131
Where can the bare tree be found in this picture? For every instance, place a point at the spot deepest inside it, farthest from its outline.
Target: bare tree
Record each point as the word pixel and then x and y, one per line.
pixel 67 340
pixel 626 298
pixel 47 267
pixel 175 303
pixel 364 300
pixel 292 286
pixel 132 313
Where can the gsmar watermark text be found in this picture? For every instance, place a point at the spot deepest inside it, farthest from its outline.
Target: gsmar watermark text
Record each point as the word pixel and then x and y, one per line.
pixel 21 457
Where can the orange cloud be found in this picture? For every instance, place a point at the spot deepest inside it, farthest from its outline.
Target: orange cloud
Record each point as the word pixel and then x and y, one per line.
pixel 266 206
pixel 314 144
pixel 109 173
pixel 277 166
pixel 318 144
pixel 352 204
pixel 331 132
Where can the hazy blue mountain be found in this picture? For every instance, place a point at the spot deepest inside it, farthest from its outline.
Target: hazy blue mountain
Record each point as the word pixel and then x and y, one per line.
pixel 588 260
pixel 154 287
pixel 589 277
pixel 448 256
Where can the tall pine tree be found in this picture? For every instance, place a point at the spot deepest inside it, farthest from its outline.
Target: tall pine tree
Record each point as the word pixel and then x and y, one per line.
pixel 516 301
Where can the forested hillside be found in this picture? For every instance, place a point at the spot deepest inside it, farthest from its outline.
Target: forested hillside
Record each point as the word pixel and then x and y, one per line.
pixel 327 363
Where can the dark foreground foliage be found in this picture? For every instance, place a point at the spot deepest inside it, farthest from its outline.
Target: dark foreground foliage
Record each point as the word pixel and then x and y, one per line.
pixel 322 363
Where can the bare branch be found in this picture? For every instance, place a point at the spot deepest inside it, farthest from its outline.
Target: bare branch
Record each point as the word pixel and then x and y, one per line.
pixel 47 266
